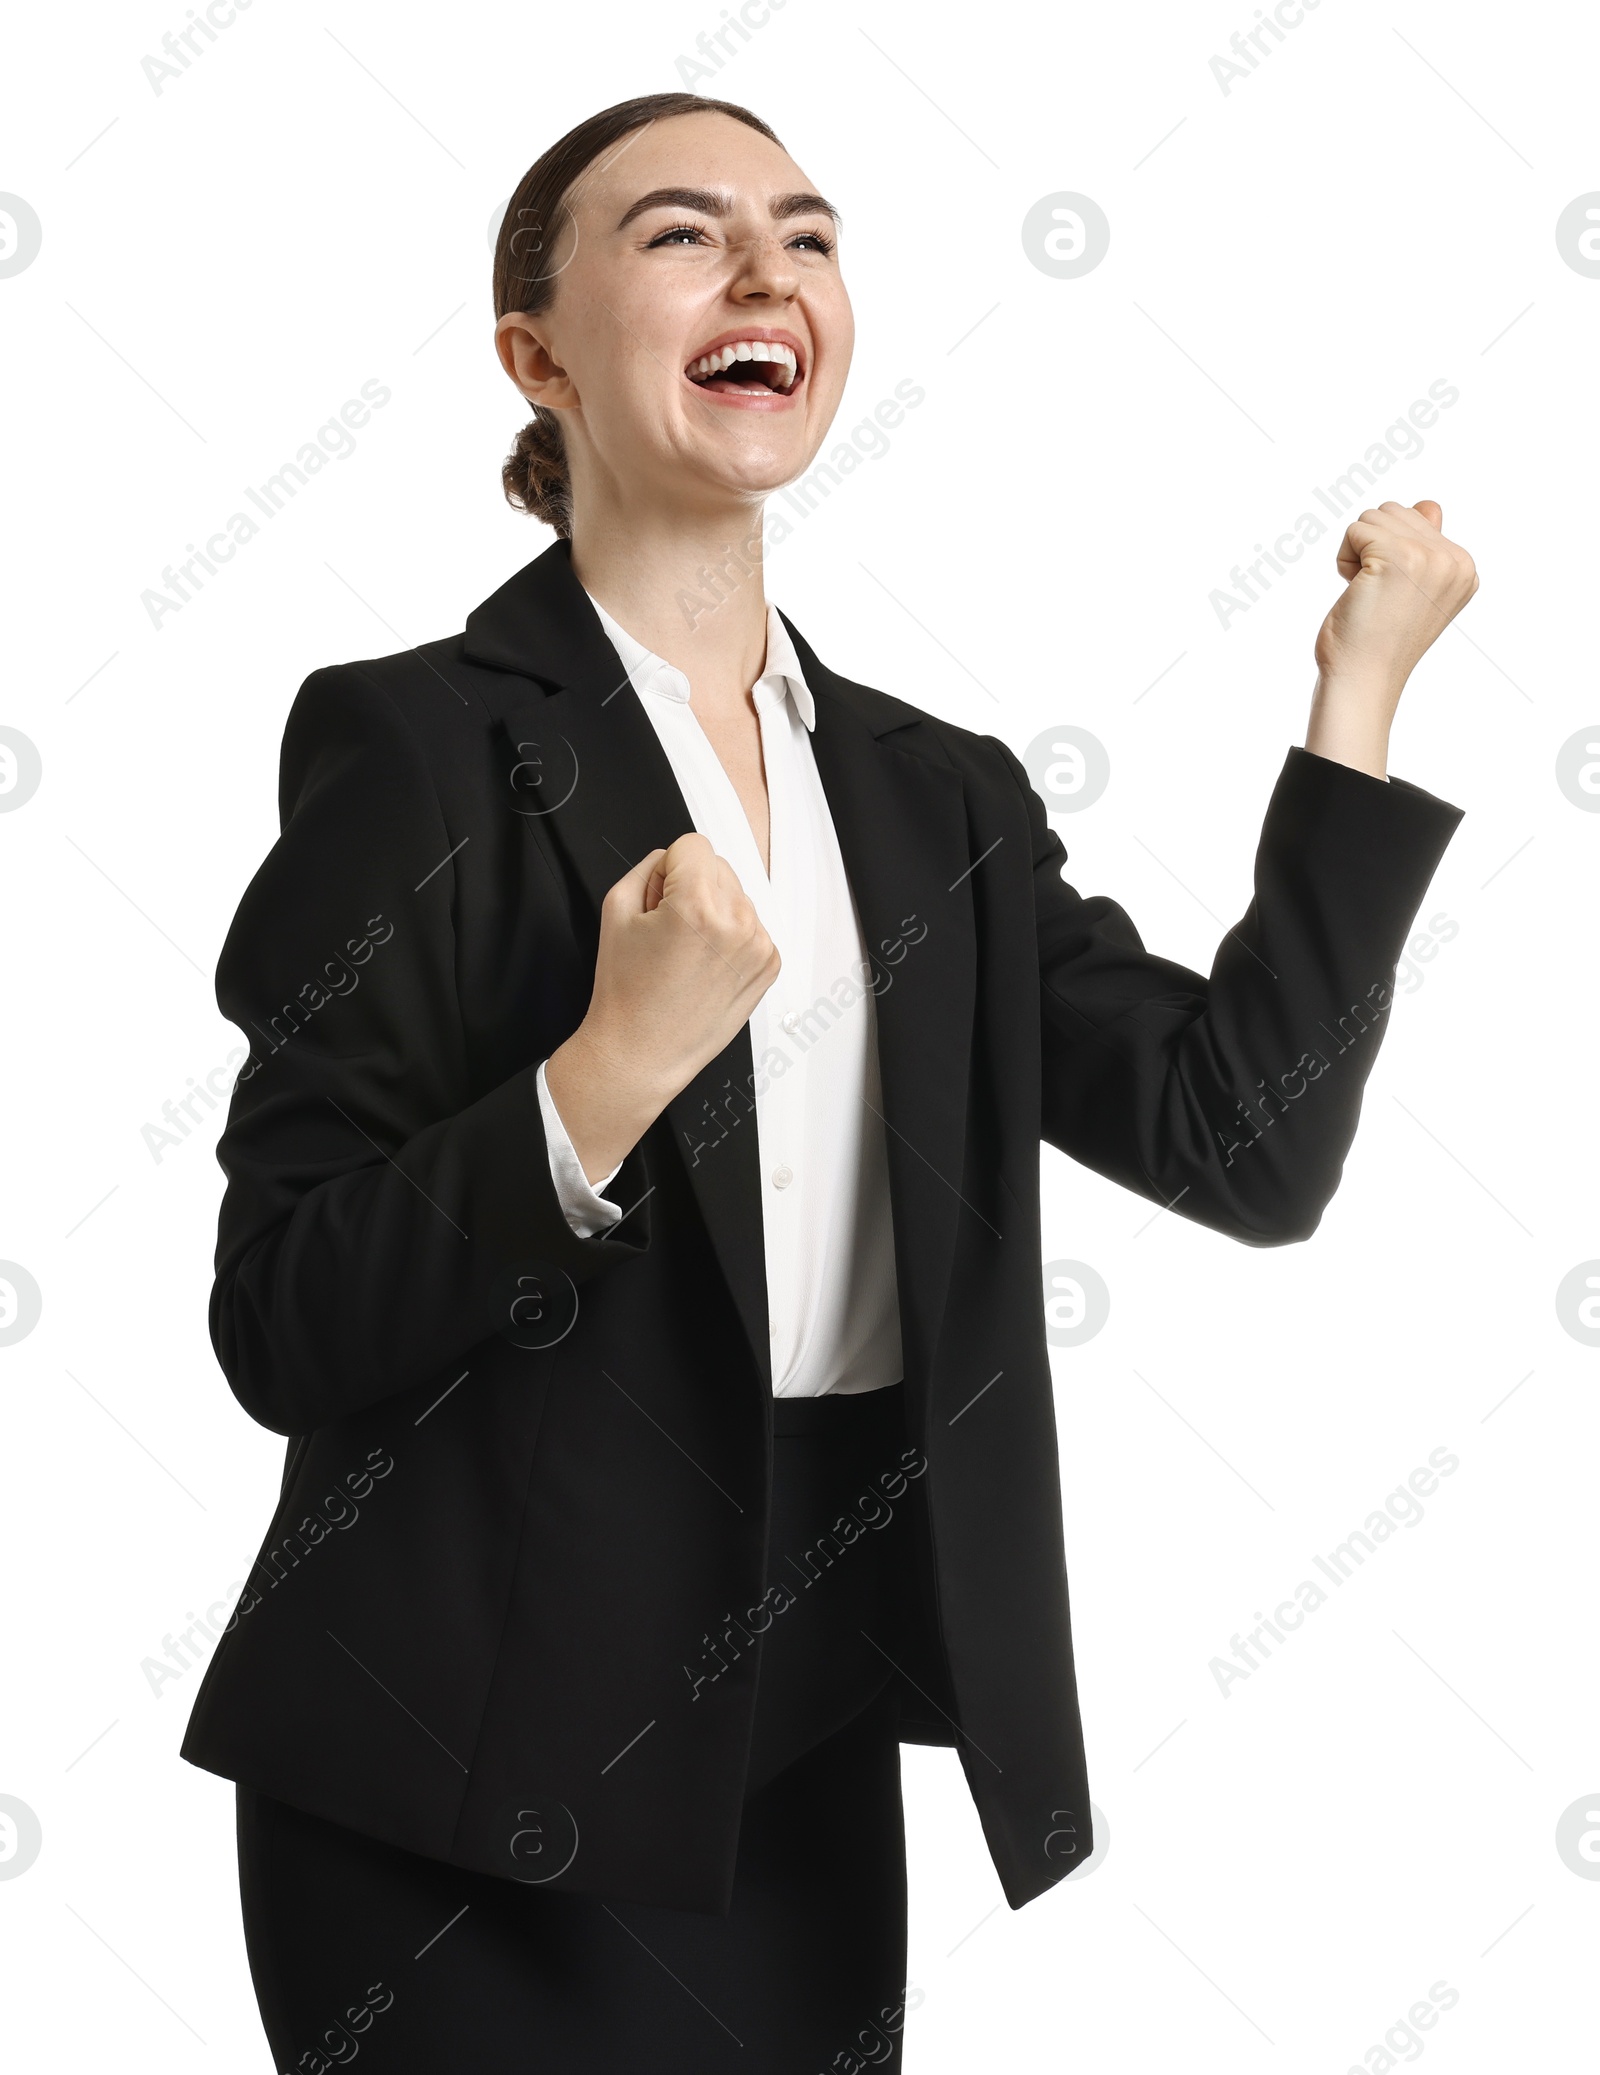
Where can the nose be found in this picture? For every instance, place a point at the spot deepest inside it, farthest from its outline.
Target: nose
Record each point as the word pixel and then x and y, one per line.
pixel 764 270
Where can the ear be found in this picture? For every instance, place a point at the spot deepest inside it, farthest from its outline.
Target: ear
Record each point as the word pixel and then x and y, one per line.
pixel 524 354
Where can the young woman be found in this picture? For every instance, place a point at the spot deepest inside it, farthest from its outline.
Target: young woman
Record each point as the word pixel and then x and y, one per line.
pixel 632 1208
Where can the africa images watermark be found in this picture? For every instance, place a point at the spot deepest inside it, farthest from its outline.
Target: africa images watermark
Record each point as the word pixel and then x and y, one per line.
pixel 1307 1070
pixel 1402 1508
pixel 874 2044
pixel 1402 441
pixel 336 1513
pixel 335 441
pixel 181 1116
pixel 1401 2041
pixel 1361 1016
pixel 181 1651
pixel 1249 46
pixel 717 46
pixel 868 441
pixel 338 2043
pixel 316 994
pixel 338 977
pixel 872 1513
pixel 182 46
pixel 805 1027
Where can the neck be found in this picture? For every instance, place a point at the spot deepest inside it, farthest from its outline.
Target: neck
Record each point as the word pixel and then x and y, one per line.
pixel 688 585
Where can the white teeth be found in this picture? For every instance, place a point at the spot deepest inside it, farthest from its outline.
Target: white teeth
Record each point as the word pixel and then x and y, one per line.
pixel 750 349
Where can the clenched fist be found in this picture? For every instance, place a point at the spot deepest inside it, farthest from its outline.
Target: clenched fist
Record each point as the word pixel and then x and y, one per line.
pixel 683 959
pixel 1406 583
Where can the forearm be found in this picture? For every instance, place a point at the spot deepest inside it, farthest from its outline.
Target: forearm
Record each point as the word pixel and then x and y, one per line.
pixel 1234 1097
pixel 606 1100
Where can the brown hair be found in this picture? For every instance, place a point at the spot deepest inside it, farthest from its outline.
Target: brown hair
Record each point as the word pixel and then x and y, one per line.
pixel 534 473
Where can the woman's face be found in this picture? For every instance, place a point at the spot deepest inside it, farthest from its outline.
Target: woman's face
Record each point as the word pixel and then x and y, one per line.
pixel 691 235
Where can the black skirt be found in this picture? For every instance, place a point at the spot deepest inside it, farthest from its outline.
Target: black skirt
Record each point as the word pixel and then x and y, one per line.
pixel 358 1947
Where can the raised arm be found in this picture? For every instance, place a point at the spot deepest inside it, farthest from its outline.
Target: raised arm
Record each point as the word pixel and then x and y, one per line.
pixel 1233 1099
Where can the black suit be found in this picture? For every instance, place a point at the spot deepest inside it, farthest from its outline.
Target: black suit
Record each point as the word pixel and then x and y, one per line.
pixel 562 1557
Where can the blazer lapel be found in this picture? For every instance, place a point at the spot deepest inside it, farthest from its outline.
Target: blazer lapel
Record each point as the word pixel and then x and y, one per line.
pixel 899 811
pixel 588 773
pixel 586 770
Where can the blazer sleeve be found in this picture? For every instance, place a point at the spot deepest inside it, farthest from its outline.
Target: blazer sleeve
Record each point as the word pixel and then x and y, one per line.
pixel 1233 1099
pixel 378 1208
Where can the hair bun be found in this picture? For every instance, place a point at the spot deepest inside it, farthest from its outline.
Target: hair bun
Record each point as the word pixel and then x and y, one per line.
pixel 534 473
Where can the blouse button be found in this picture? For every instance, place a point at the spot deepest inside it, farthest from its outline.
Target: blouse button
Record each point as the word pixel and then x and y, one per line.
pixel 782 1177
pixel 791 1022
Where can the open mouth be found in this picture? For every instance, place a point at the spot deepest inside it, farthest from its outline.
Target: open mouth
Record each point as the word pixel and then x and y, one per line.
pixel 755 366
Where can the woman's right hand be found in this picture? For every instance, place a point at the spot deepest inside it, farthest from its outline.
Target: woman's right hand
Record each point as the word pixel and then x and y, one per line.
pixel 683 960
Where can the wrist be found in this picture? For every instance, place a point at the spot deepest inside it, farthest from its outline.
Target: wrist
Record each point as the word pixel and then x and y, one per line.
pixel 1350 720
pixel 605 1102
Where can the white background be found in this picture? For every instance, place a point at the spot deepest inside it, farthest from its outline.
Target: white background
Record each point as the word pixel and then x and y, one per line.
pixel 1371 210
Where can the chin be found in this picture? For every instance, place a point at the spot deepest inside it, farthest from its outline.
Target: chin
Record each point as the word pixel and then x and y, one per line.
pixel 755 475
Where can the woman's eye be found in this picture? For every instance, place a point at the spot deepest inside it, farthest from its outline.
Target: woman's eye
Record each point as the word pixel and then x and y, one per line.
pixel 693 234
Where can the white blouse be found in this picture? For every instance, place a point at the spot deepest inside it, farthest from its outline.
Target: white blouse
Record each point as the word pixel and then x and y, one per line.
pixel 829 1238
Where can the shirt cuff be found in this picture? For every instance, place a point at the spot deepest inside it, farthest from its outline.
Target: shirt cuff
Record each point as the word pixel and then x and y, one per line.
pixel 585 1209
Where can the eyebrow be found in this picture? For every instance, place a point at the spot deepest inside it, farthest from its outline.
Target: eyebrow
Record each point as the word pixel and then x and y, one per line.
pixel 710 202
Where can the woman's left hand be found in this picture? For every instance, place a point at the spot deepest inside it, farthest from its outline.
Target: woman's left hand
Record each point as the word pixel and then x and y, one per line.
pixel 1406 584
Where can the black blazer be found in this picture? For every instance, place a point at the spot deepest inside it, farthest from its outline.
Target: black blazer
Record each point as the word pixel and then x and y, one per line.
pixel 505 1614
